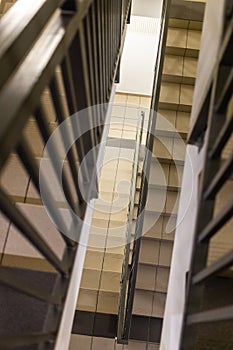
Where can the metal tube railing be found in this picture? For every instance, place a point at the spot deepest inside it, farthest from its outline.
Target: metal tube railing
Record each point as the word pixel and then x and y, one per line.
pixel 125 333
pixel 38 41
pixel 129 234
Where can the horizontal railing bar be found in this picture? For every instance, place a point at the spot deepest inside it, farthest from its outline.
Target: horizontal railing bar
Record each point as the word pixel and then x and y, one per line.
pixel 222 138
pixel 214 268
pixel 226 93
pixel 19 28
pixel 220 178
pixel 12 341
pixel 32 168
pixel 25 226
pixel 11 280
pixel 216 315
pixel 224 215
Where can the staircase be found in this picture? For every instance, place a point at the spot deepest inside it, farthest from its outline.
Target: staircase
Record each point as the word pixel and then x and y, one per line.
pixel 100 286
pixel 175 103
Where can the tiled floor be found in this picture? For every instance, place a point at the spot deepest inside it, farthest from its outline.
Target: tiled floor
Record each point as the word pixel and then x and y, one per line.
pixel 83 342
pixel 166 171
pixel 103 265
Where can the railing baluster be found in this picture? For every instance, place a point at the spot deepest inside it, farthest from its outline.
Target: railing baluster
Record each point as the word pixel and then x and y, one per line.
pixel 33 169
pixel 25 226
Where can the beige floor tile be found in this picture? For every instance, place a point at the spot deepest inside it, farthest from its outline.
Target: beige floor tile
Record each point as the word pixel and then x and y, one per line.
pixel 159 304
pixel 80 341
pixel 166 120
pixel 113 262
pixel 120 98
pixel 179 149
pixel 133 100
pixel 90 279
pixel 173 65
pixel 99 223
pixel 115 126
pixel 132 112
pixel 190 67
pixel 114 133
pixel 113 248
pixel 178 23
pixel 145 101
pixel 135 345
pixel 87 300
pixel 110 281
pixel 176 175
pixel 18 245
pixel 156 200
pixel 118 111
pixel 115 242
pixel 104 344
pixel 100 215
pixel 108 302
pixel 194 39
pixel 170 93
pixel 165 253
pixel 186 94
pixel 149 253
pixel 119 215
pixel 162 147
pixel 94 259
pixel 97 242
pixel 129 135
pixel 162 278
pixel 177 37
pixel 169 228
pixel 146 277
pixel 172 202
pixel 152 226
pixel 182 122
pixel 143 301
pixel 15 185
pixel 159 174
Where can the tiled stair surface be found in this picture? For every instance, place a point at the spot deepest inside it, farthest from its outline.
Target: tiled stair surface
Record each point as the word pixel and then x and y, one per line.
pixel 165 178
pixel 101 278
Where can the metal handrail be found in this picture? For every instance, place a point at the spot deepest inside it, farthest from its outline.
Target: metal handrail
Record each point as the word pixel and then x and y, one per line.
pixel 125 333
pixel 79 39
pixel 129 234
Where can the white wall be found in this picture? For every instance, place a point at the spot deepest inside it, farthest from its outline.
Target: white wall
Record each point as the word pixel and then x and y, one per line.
pixel 139 55
pixel 182 250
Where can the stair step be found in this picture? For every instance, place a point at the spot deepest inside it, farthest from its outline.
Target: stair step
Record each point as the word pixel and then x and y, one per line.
pixel 155 252
pixel 99 301
pixel 185 24
pixel 153 278
pixel 20 313
pixel 148 303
